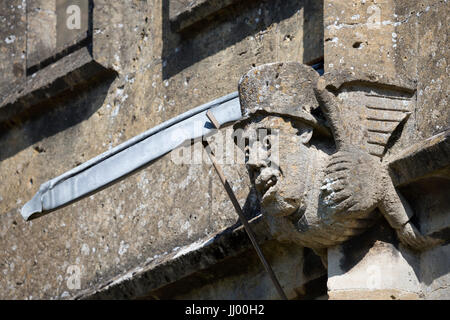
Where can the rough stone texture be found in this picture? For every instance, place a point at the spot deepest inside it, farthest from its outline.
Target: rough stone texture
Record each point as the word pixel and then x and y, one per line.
pixel 154 211
pixel 373 266
pixel 433 113
pixel 47 31
pixel 184 13
pixel 429 157
pixel 41 30
pixel 310 196
pixel 435 266
pixel 224 266
pixel 12 44
pixel 280 88
pixel 409 43
pixel 253 279
pixel 57 81
pixel 422 173
pixel 408 46
pixel 356 37
pixel 126 238
pixel 67 16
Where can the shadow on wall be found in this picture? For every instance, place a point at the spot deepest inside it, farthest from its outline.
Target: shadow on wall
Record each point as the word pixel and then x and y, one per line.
pixel 63 102
pixel 429 199
pixel 59 114
pixel 231 25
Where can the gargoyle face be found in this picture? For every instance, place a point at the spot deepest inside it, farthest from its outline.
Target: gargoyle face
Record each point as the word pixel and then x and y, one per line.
pixel 277 158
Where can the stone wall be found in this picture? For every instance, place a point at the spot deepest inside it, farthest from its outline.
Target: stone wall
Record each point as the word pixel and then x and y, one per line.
pixel 13 43
pixel 150 74
pixel 172 226
pixel 403 42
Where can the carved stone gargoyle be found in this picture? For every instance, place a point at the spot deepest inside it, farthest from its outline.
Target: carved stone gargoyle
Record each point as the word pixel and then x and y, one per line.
pixel 313 193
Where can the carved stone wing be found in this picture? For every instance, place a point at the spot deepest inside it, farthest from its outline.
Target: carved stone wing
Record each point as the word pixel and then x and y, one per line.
pixel 382 119
pixel 364 112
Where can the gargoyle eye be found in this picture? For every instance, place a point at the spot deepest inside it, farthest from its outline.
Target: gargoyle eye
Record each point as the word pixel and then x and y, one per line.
pixel 266 142
pixel 247 153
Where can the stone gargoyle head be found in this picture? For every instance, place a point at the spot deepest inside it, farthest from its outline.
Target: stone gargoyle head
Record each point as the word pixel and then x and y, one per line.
pixel 320 194
pixel 277 102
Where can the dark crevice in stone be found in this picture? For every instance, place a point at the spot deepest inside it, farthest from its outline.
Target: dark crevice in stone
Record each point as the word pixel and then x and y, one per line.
pixel 313 289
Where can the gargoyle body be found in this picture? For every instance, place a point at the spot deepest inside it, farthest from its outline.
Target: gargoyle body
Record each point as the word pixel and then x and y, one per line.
pixel 312 193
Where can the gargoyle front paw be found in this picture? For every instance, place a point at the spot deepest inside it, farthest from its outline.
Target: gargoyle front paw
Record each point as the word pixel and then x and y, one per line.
pixel 411 237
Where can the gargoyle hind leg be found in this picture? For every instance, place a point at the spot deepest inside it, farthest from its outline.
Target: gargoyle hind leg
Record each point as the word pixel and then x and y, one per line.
pixel 398 213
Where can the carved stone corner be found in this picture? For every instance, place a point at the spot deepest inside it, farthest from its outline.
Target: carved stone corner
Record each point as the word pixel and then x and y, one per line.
pixel 183 14
pixel 430 157
pixel 39 91
pixel 422 173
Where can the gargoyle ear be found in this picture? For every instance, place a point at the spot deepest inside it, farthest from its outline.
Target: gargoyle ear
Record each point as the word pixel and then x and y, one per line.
pixel 306 135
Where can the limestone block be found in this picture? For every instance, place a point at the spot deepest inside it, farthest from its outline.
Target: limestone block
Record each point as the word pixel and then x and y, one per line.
pixel 53 26
pixel 12 44
pixel 358 36
pixel 73 19
pixel 435 273
pixel 373 266
pixel 184 13
pixel 41 30
pixel 64 78
pixel 433 54
pixel 399 40
pixel 163 207
pixel 146 219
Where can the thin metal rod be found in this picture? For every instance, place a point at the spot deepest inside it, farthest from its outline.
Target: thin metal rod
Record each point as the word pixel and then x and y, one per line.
pixel 240 213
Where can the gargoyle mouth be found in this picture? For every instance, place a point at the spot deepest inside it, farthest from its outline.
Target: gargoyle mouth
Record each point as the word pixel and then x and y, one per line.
pixel 266 183
pixel 272 181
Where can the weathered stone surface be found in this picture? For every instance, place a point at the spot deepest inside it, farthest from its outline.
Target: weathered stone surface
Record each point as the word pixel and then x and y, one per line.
pixel 253 279
pixel 261 29
pixel 12 44
pixel 433 56
pixel 151 212
pixel 429 158
pixel 373 267
pixel 41 30
pixel 399 40
pixel 47 28
pixel 142 223
pixel 435 270
pixel 73 22
pixel 184 13
pixel 429 197
pixel 358 36
pixel 408 46
pixel 423 174
pixel 63 77
pixel 228 257
pixel 280 88
pixel 310 196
